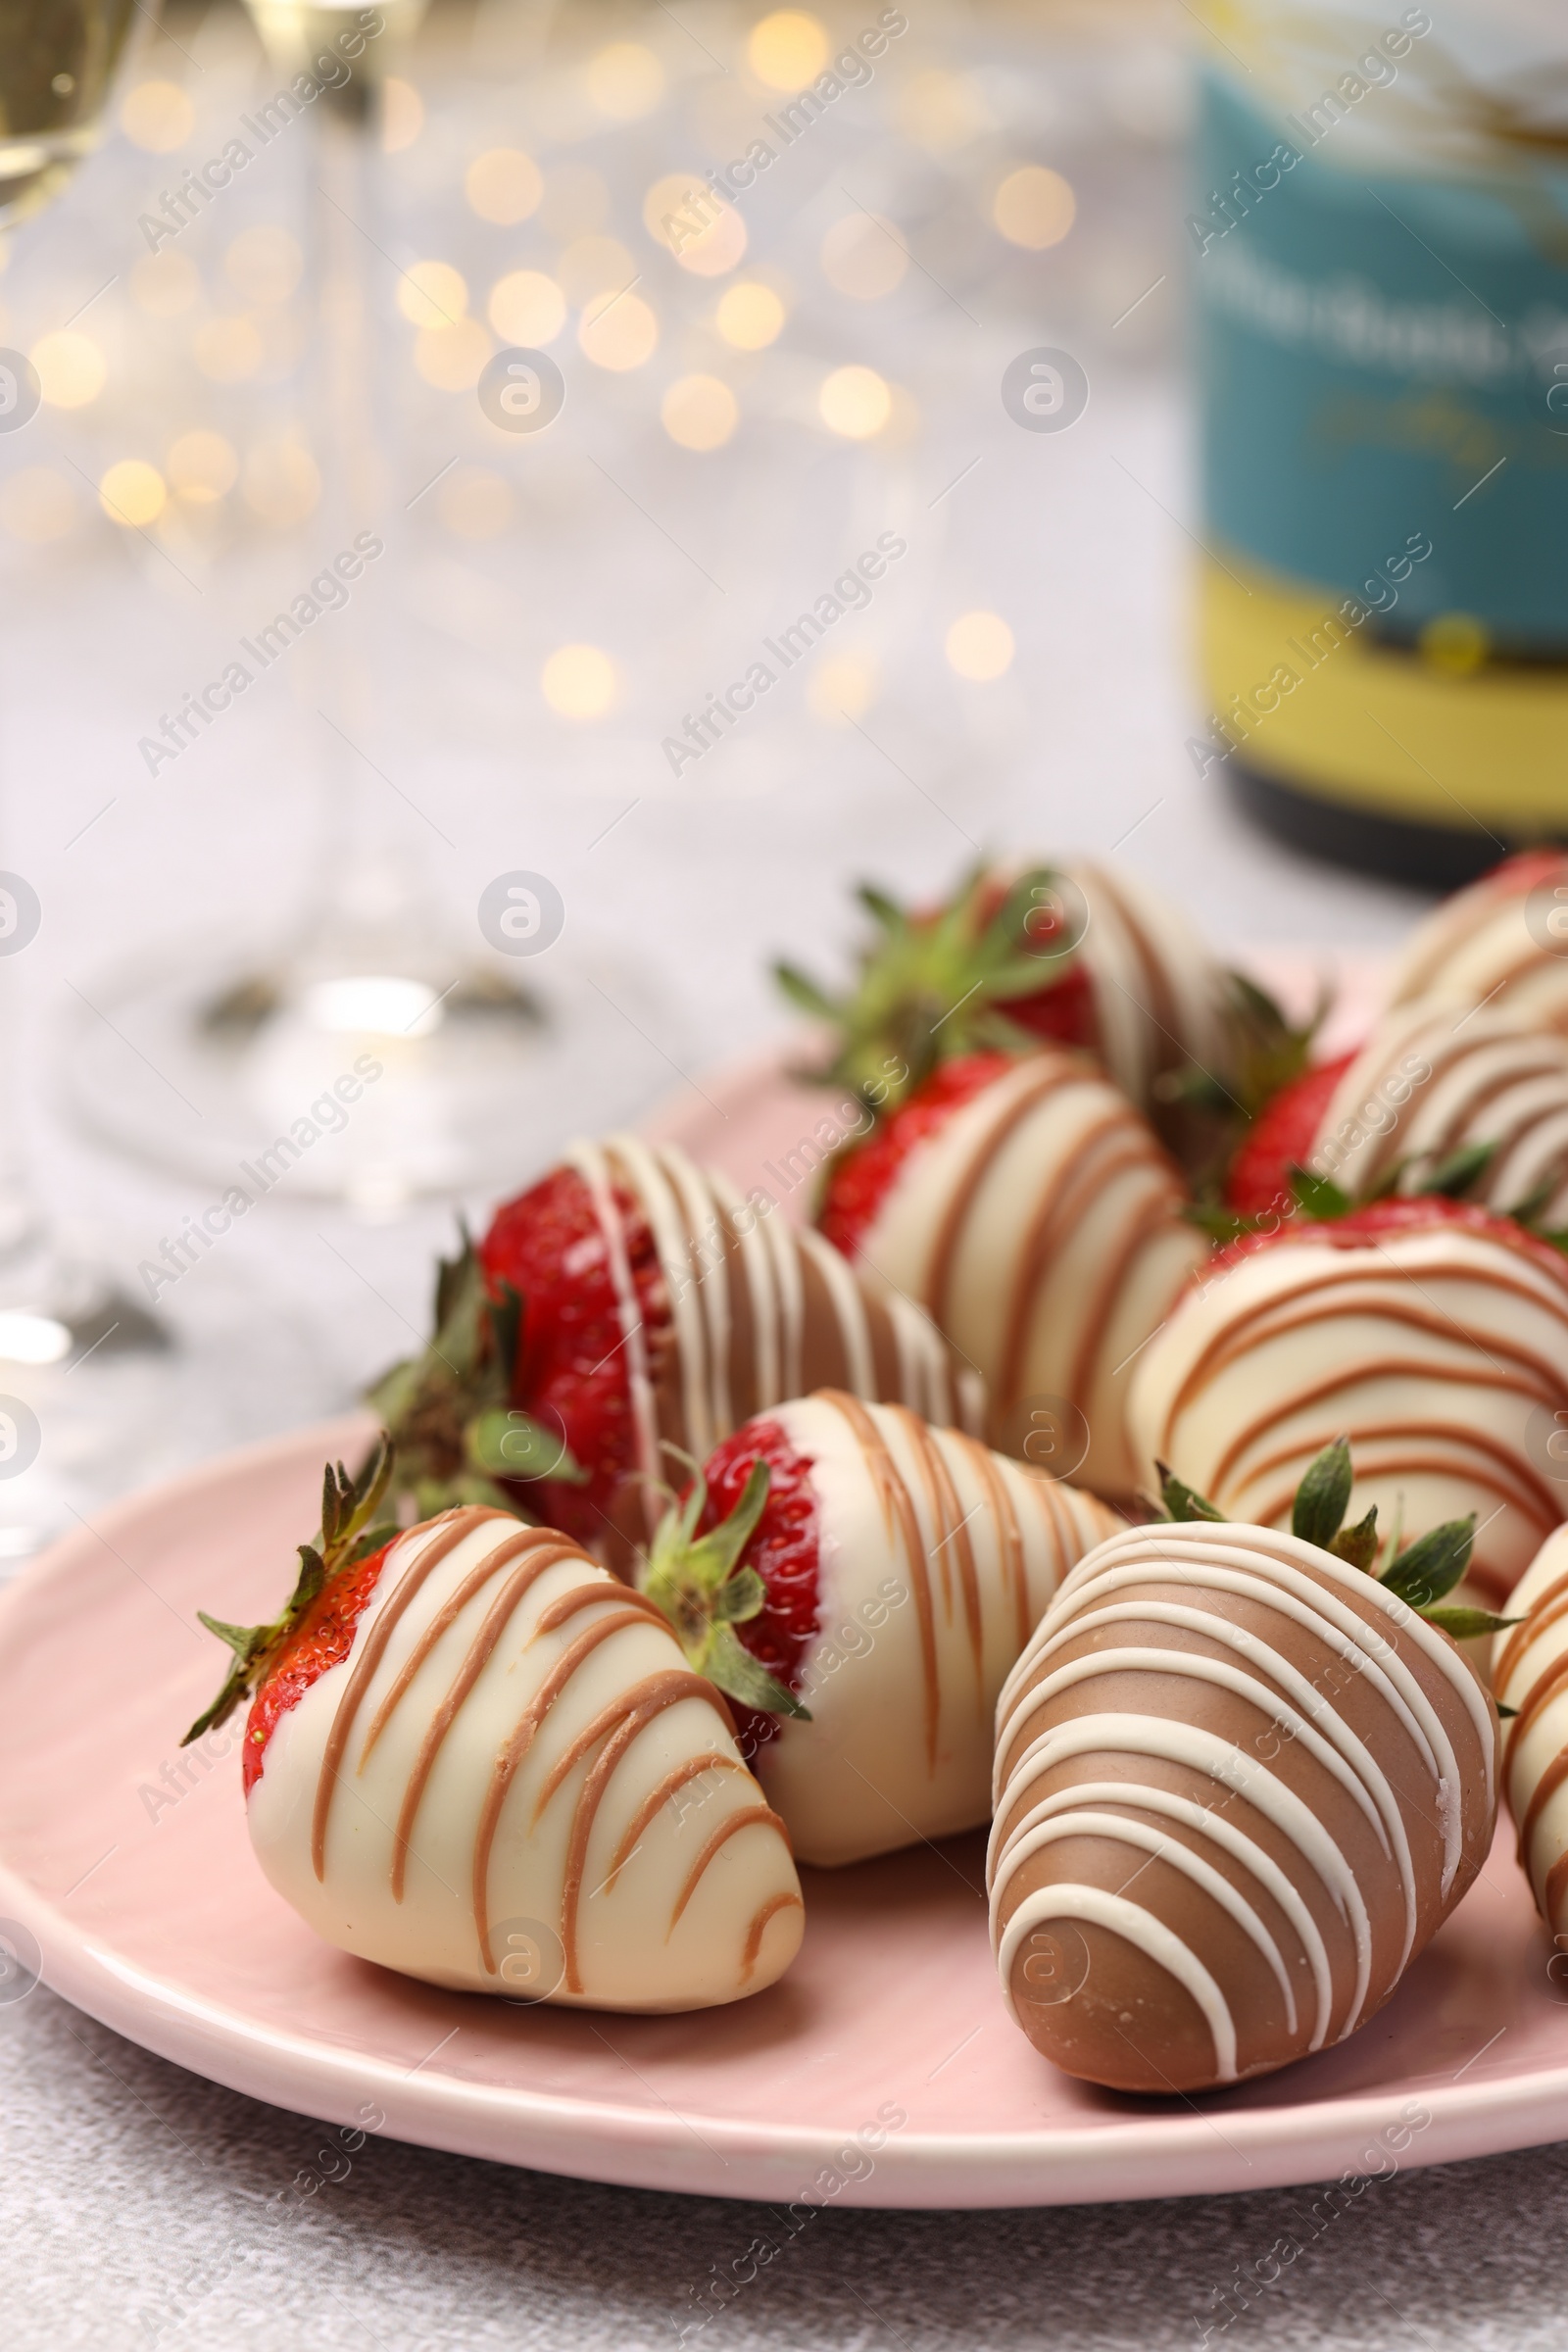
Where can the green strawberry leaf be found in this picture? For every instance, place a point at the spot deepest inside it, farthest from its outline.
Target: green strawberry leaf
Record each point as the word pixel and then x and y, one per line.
pixel 1321 1498
pixel 1181 1501
pixel 1432 1565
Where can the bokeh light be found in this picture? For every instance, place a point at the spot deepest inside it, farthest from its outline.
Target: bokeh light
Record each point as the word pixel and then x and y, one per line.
pixel 941 111
pixel 788 49
pixel 504 185
pixel 864 257
pixel 626 80
pixel 202 467
pixel 526 307
pixel 432 294
pixel 696 224
pixel 474 503
pixel 165 283
pixel 229 349
pixel 451 357
pixel 699 412
pixel 855 402
pixel 132 493
pixel 157 115
pixel 750 315
pixel 980 646
pixel 842 688
pixel 402 114
pixel 264 263
pixel 70 369
pixel 578 681
pixel 593 266
pixel 619 334
pixel 1034 208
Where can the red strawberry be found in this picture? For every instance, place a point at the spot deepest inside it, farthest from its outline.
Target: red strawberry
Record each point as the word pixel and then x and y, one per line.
pixel 569 1371
pixel 1279 1139
pixel 1420 1212
pixel 861 1175
pixel 884 1571
pixel 338 1572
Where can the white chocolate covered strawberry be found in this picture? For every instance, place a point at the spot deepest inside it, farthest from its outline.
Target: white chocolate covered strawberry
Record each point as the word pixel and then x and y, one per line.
pixel 1434 1334
pixel 1030 1210
pixel 1502 942
pixel 863 1583
pixel 476 1758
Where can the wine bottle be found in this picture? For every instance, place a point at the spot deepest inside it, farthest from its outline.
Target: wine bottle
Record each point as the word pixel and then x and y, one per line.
pixel 1379 257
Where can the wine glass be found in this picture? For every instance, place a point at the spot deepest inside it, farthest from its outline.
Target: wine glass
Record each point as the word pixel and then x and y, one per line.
pixel 374 969
pixel 57 1309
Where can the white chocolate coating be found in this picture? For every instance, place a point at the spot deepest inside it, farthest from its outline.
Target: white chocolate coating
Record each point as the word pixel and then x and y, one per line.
pixel 937 1558
pixel 1159 995
pixel 1529 1673
pixel 1440 1354
pixel 515 1742
pixel 1431 1080
pixel 1491 945
pixel 1039 1228
pixel 759 1312
pixel 1311 1767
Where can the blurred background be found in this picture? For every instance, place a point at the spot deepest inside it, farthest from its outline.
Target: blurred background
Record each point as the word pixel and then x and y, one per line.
pixel 393 473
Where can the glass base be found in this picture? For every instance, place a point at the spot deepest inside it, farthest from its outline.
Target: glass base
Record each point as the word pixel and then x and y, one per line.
pixel 366 1081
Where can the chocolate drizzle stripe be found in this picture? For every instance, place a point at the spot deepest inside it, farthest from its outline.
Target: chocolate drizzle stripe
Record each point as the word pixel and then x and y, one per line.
pixel 480 1653
pixel 529 1538
pixel 1548 1685
pixel 444 1536
pixel 745 1817
pixel 608 1720
pixel 592 1167
pixel 897 1512
pixel 1009 1534
pixel 1551 1893
pixel 1546 1787
pixel 766 1912
pixel 522 1739
pixel 952 1534
pixel 1109 1147
pixel 1163 1804
pixel 1155 1217
pixel 1548 1605
pixel 657 1799
pixel 639 1707
pixel 1281 1315
pixel 832 1278
pixel 1010 1104
pixel 556 1614
pixel 1452 1452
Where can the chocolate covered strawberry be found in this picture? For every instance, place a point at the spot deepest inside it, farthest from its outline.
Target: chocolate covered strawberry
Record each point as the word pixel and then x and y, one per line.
pixel 1035 1215
pixel 1431 1332
pixel 475 1756
pixel 861 1584
pixel 626 1302
pixel 1502 942
pixel 1281 1140
pixel 1058 955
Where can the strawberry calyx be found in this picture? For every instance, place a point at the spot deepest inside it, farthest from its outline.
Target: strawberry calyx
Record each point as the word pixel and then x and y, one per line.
pixel 458 1437
pixel 997 969
pixel 322 1640
pixel 1281 1137
pixel 860 1177
pixel 1419 1573
pixel 695 1576
pixel 352 1529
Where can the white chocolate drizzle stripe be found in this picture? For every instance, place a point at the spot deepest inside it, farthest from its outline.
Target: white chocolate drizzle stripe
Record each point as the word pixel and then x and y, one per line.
pixel 1145 1798
pixel 1246 1777
pixel 590 1166
pixel 1146 1934
pixel 1087 1823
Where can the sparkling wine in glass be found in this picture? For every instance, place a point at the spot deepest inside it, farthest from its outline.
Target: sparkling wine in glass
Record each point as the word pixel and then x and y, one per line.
pixel 57 61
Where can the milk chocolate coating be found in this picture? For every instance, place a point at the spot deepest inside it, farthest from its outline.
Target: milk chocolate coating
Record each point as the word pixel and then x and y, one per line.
pixel 1442 1354
pixel 759 1312
pixel 1041 1228
pixel 1238 1787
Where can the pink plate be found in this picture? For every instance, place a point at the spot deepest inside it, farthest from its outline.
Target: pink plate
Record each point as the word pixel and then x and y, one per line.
pixel 130 1868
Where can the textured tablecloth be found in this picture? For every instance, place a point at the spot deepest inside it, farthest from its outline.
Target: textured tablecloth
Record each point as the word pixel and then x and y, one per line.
pixel 137 2202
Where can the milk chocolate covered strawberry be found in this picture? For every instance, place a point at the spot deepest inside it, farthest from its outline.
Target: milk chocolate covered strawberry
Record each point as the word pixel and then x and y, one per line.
pixel 626 1301
pixel 1242 1777
pixel 860 1583
pixel 475 1756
